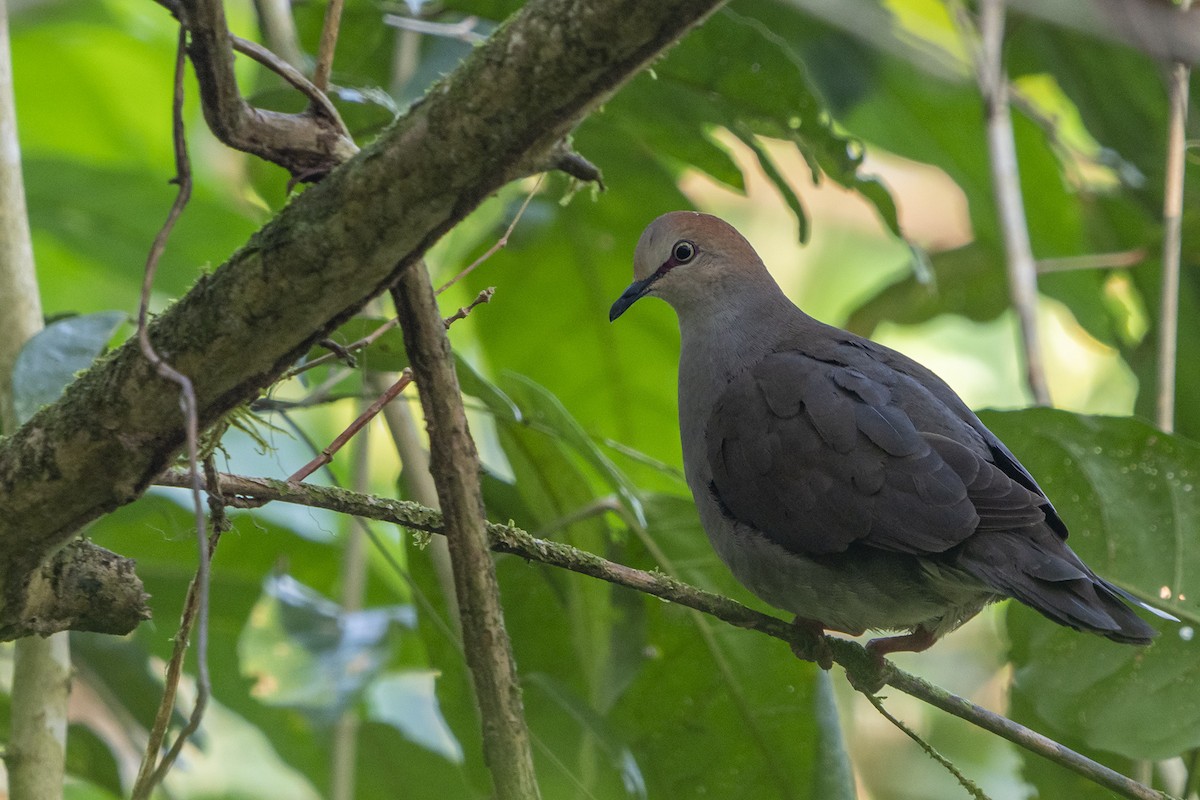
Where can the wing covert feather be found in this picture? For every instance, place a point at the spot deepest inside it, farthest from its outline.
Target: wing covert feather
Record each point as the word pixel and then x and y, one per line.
pixel 818 455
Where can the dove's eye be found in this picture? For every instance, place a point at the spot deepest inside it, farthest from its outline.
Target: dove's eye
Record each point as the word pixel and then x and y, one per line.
pixel 683 251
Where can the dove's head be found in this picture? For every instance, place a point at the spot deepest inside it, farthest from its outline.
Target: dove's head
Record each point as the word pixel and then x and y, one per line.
pixel 690 259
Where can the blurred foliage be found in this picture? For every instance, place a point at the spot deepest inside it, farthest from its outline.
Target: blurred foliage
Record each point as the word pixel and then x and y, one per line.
pixel 626 696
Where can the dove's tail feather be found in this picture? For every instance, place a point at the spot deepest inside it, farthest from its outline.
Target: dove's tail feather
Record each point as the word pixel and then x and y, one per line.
pixel 1038 569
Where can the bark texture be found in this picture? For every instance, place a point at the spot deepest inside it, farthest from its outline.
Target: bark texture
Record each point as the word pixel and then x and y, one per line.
pixel 454 464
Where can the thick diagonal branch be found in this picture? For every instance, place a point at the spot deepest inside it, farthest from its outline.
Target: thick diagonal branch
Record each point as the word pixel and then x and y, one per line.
pixel 500 115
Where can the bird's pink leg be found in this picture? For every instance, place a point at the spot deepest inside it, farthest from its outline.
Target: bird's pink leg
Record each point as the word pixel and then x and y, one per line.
pixel 920 639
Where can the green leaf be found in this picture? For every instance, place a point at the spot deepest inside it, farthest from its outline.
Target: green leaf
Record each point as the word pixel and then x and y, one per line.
pixel 620 758
pixel 707 679
pixel 479 387
pixel 833 773
pixel 75 789
pixel 407 701
pixel 236 759
pixel 1130 496
pixel 95 222
pixel 966 281
pixel 52 357
pixel 748 79
pixel 544 412
pixel 306 652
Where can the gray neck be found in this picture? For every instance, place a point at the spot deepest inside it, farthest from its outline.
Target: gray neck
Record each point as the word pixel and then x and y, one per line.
pixel 719 339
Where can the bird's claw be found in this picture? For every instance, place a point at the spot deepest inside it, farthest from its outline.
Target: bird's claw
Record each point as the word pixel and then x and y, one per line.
pixel 819 651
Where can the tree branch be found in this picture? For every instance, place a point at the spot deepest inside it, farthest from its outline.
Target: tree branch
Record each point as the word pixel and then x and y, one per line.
pixel 454 464
pixel 1168 310
pixel 308 145
pixel 862 670
pixel 500 115
pixel 1006 185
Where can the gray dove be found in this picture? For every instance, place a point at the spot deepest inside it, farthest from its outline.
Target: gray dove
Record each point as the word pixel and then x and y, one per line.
pixel 842 481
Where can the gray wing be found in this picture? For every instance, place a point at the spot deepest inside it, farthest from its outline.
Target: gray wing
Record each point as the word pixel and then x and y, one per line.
pixel 818 455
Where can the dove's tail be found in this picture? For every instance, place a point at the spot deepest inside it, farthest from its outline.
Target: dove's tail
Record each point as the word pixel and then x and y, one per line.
pixel 1037 568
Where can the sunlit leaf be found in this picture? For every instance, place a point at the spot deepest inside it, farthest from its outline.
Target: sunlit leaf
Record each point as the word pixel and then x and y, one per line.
pixel 769 93
pixel 407 702
pixel 306 652
pixel 1130 495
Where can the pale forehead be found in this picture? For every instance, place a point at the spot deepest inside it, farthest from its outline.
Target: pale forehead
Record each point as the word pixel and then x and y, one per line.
pixel 706 231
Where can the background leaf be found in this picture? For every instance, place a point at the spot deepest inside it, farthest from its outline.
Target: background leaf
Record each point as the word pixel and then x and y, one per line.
pixel 1128 493
pixel 52 356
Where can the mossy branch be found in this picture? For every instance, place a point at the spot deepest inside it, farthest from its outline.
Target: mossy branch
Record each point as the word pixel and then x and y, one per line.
pixel 863 672
pixel 502 114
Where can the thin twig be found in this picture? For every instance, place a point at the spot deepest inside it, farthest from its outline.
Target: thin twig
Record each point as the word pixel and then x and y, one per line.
pixel 1019 735
pixel 500 243
pixel 1006 185
pixel 344 352
pixel 463 30
pixel 929 749
pixel 149 776
pixel 349 349
pixel 484 296
pixel 372 411
pixel 319 102
pixel 1121 259
pixel 1168 323
pixel 278 26
pixel 860 667
pixel 328 43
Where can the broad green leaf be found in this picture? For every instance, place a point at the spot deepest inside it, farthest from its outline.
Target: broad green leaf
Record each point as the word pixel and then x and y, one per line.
pixel 306 652
pixel 91 763
pixel 555 498
pixel 621 759
pixel 833 773
pixel 671 124
pixel 235 759
pixel 965 281
pixel 52 357
pixel 79 74
pixel 1049 779
pixel 770 94
pixel 75 789
pixel 1130 496
pixel 545 412
pixel 407 701
pixel 474 384
pixel 95 223
pixel 710 681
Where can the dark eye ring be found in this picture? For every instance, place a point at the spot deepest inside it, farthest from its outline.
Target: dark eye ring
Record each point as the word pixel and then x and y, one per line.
pixel 683 251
